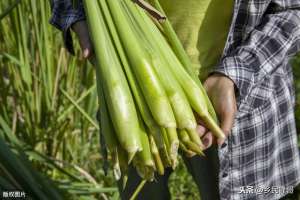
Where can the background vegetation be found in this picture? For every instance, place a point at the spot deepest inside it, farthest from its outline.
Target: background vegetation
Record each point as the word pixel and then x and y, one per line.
pixel 48 107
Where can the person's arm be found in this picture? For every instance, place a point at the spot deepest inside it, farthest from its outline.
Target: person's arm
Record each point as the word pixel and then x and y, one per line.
pixel 67 15
pixel 268 45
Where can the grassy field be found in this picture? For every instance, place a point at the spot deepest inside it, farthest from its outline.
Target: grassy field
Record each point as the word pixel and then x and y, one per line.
pixel 48 113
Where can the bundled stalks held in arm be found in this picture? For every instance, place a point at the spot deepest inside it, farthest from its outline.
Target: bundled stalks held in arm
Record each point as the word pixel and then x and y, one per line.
pixel 148 95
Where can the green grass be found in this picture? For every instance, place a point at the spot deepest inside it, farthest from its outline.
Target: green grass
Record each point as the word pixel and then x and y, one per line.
pixel 48 100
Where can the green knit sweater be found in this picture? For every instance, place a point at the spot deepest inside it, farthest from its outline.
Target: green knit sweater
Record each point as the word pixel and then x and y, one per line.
pixel 202 26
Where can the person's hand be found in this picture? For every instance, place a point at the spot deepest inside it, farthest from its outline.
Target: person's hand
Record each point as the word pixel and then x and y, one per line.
pixel 81 30
pixel 220 90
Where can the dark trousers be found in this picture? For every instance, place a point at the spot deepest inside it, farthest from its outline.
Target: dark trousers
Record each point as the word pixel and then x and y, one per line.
pixel 203 169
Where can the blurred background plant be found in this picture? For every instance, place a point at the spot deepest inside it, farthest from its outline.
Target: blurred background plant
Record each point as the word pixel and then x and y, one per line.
pixel 48 126
pixel 48 103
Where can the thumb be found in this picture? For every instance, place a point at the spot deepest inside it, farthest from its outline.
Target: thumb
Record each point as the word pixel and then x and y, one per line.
pixel 81 30
pixel 86 52
pixel 86 46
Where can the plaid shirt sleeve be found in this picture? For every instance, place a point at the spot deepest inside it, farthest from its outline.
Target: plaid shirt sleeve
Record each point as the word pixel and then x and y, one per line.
pixel 64 14
pixel 263 49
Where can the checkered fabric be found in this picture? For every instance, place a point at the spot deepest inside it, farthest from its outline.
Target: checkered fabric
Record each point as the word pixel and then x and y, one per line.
pixel 260 158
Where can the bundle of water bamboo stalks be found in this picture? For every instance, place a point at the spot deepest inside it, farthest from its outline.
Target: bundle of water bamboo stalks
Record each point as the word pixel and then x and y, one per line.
pixel 148 97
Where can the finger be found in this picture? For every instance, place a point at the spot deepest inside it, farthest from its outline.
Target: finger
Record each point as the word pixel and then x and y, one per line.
pixel 86 46
pixel 86 53
pixel 81 30
pixel 207 140
pixel 201 130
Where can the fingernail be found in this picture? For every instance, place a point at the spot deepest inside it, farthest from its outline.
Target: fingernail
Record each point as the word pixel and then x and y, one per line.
pixel 85 53
pixel 205 142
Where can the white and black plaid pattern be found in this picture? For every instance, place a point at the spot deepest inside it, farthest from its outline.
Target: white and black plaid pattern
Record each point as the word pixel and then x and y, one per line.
pixel 261 151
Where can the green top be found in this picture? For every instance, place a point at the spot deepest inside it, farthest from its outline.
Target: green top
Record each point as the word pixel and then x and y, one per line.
pixel 202 26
